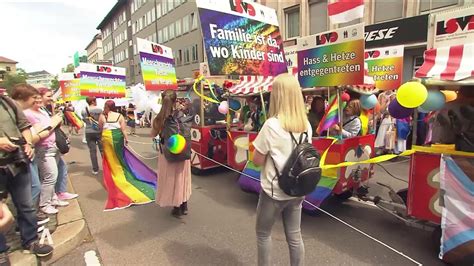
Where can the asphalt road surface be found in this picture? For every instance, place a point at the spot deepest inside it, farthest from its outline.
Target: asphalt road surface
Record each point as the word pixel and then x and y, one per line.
pixel 220 228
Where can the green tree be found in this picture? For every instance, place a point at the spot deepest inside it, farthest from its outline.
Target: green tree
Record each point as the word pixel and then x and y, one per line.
pixel 55 83
pixel 68 68
pixel 10 81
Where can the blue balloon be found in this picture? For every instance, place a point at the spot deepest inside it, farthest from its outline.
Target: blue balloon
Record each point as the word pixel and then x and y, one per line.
pixel 434 102
pixel 368 101
pixel 421 110
pixel 234 104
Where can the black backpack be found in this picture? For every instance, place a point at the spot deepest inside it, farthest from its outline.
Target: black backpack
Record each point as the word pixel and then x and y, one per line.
pixel 177 124
pixel 301 172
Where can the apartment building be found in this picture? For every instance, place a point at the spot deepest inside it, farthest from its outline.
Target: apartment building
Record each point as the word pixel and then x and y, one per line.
pixel 410 18
pixel 171 23
pixel 94 49
pixel 40 78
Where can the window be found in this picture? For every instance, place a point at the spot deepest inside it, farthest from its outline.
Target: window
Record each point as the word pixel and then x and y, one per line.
pixel 135 49
pixel 154 37
pixel 115 24
pixel 153 15
pixel 170 5
pixel 426 5
pixel 195 53
pixel 193 21
pixel 179 57
pixel 132 8
pixel 318 13
pixel 134 28
pixel 381 8
pixel 160 36
pixel 171 30
pixel 130 43
pixel 186 55
pixel 164 7
pixel 185 24
pixel 158 11
pixel 165 34
pixel 148 18
pixel 8 68
pixel 292 22
pixel 126 53
pixel 178 27
pixel 417 63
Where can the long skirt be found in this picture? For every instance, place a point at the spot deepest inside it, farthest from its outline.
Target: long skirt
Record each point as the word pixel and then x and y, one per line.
pixel 174 182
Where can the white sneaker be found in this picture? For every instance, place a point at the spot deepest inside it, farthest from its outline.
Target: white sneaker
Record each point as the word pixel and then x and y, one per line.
pixel 84 141
pixel 95 172
pixel 49 209
pixel 59 203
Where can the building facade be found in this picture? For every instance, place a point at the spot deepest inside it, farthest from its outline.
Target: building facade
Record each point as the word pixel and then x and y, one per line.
pixel 306 17
pixel 7 66
pixel 40 79
pixel 171 23
pixel 94 49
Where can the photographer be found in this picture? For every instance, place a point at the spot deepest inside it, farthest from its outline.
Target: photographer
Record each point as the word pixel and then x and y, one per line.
pixel 15 154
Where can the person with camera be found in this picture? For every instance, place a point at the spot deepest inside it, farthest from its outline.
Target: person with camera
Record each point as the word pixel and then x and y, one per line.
pixel 47 154
pixel 25 96
pixel 15 153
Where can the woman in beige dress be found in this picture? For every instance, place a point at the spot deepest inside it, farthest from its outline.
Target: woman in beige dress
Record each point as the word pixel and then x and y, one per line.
pixel 174 178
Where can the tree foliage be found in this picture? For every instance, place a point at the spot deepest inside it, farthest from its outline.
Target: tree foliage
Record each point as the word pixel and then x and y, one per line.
pixel 68 68
pixel 55 83
pixel 10 80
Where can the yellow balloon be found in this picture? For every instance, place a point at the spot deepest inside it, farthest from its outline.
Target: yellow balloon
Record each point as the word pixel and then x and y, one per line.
pixel 412 94
pixel 450 95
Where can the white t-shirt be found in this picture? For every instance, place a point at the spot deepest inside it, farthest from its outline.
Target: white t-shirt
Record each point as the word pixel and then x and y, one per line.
pixel 274 141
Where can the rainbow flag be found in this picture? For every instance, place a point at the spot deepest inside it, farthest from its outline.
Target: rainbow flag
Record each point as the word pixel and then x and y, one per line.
pixel 331 116
pixel 364 119
pixel 250 182
pixel 457 240
pixel 128 181
pixel 74 119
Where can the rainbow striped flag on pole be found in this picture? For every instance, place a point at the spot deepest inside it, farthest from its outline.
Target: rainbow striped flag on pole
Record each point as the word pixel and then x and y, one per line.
pixel 331 117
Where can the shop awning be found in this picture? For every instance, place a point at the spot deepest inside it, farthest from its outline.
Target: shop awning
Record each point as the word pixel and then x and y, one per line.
pixel 451 63
pixel 252 84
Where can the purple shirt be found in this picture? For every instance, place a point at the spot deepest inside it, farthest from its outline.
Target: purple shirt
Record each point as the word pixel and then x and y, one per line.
pixel 42 119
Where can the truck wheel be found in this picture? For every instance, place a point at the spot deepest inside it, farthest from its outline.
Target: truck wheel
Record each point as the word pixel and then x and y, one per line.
pixel 403 193
pixel 344 195
pixel 196 171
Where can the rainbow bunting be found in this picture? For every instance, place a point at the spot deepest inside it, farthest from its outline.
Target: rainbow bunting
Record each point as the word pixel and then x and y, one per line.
pixel 125 186
pixel 331 116
pixel 74 119
pixel 250 181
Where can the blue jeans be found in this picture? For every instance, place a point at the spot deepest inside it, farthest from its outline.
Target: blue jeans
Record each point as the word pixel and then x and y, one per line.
pixel 19 187
pixel 35 181
pixel 61 183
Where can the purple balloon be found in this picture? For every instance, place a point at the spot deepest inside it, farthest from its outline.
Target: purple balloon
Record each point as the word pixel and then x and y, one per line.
pixel 398 111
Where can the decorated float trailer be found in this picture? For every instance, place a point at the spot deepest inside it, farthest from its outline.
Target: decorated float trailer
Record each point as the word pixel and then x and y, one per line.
pixel 440 190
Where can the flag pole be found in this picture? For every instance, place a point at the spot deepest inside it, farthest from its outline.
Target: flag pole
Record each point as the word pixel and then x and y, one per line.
pixel 339 110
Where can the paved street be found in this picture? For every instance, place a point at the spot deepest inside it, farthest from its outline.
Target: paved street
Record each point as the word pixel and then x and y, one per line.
pixel 220 227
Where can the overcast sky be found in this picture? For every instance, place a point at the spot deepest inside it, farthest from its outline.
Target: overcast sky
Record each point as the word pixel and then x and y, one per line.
pixel 45 34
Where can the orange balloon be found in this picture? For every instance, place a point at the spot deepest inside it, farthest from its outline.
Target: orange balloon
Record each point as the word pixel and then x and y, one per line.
pixel 377 108
pixel 450 95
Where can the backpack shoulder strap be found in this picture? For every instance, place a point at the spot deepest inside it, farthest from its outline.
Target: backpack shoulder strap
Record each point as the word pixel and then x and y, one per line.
pixel 293 138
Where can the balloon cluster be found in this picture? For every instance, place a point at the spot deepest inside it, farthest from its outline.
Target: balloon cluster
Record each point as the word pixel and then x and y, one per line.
pixel 413 95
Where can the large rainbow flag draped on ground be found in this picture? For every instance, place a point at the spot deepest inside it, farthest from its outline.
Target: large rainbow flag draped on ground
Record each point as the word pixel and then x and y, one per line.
pixel 331 116
pixel 127 180
pixel 250 181
pixel 457 222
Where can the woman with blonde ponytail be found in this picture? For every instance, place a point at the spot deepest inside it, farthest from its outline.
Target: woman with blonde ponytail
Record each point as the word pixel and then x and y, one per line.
pixel 273 147
pixel 174 177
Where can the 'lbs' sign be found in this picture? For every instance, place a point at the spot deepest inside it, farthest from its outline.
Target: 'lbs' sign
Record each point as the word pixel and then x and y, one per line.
pixel 454 28
pixel 241 7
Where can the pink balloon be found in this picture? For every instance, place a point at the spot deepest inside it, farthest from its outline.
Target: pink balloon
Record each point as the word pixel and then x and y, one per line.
pixel 345 97
pixel 223 107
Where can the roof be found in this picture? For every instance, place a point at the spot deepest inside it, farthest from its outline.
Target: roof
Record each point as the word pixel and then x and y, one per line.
pixel 7 60
pixel 96 37
pixel 42 72
pixel 111 13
